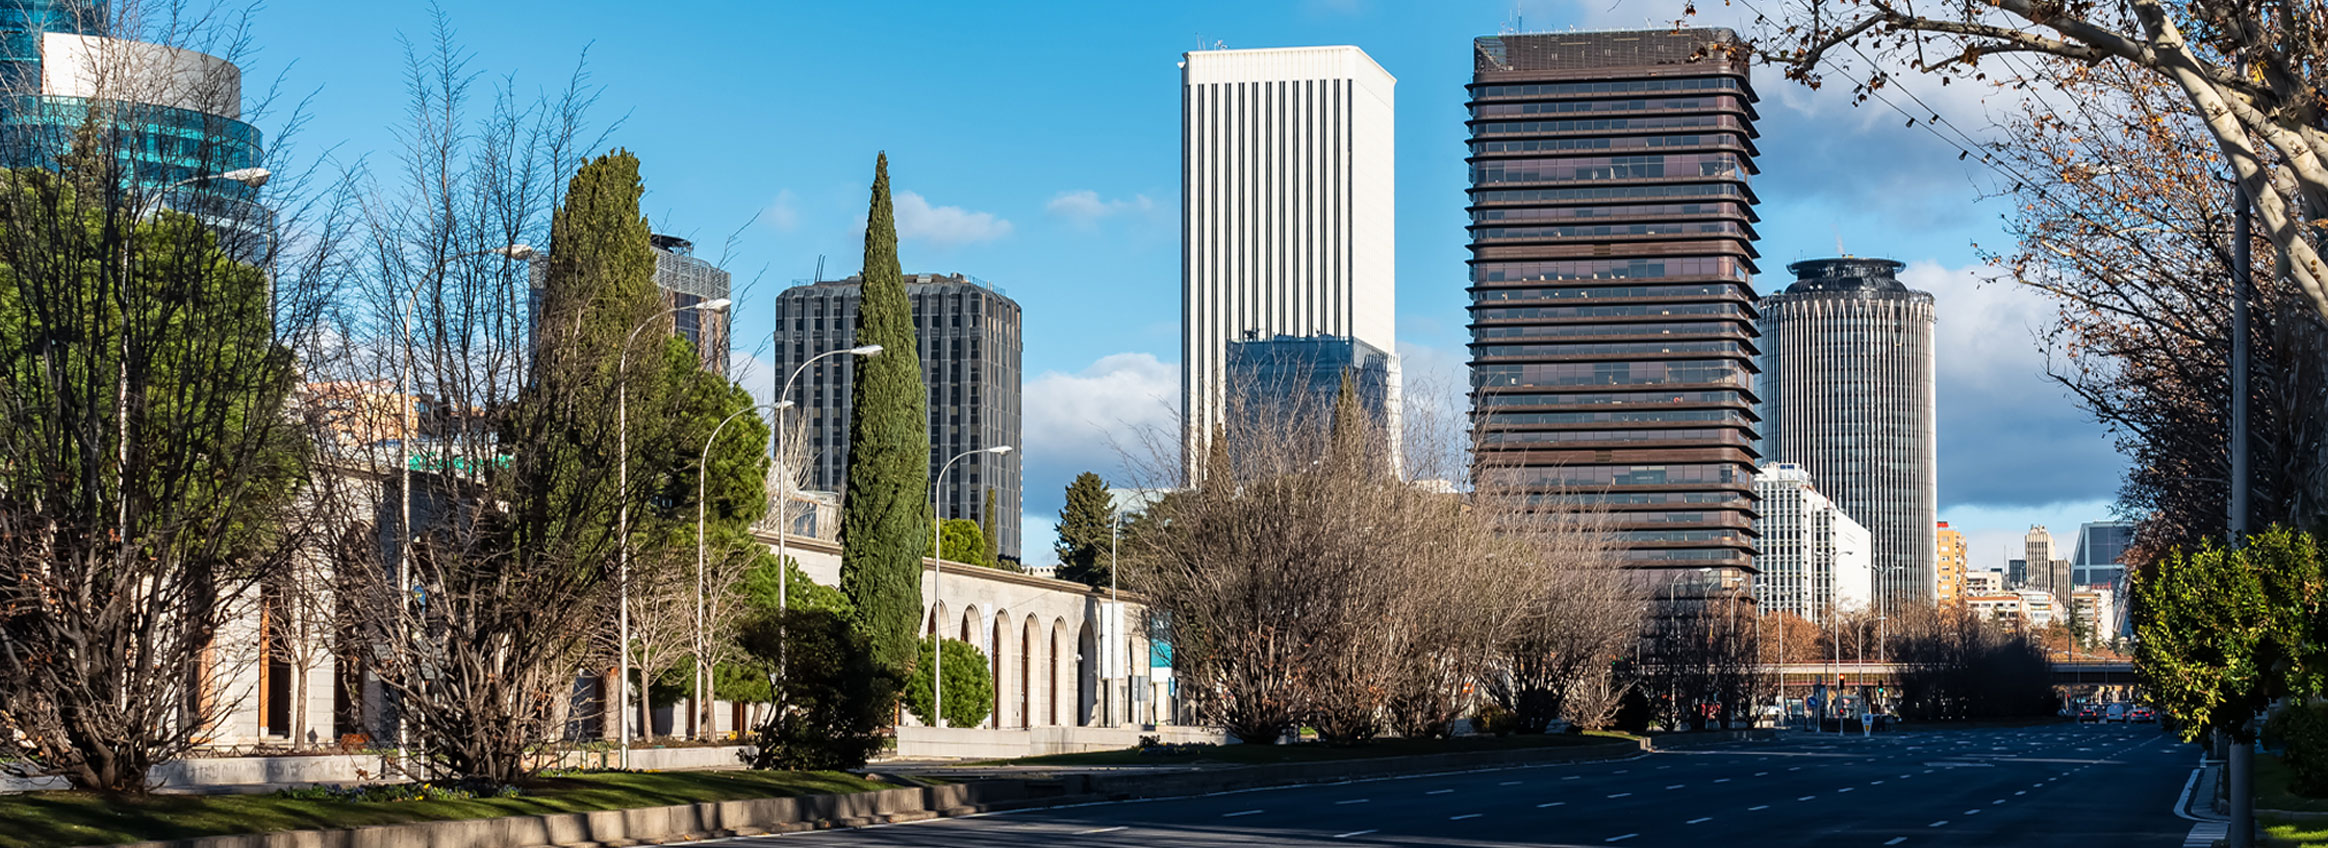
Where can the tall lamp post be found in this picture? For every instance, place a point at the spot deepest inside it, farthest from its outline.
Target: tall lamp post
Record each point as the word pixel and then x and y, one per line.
pixel 702 476
pixel 408 423
pixel 938 557
pixel 622 521
pixel 784 503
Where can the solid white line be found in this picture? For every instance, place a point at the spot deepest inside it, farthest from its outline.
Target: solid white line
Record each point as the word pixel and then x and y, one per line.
pixel 1242 813
pixel 1701 820
pixel 1465 816
pixel 1620 838
pixel 1551 804
pixel 1103 830
pixel 1352 833
pixel 1353 801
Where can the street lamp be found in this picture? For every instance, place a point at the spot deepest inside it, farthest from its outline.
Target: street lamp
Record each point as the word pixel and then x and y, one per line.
pixel 408 424
pixel 622 521
pixel 702 473
pixel 784 507
pixel 938 557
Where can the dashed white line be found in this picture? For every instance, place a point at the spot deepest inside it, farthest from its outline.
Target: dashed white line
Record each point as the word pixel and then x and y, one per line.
pixel 1465 816
pixel 1972 812
pixel 1940 823
pixel 1897 840
pixel 1103 830
pixel 1551 804
pixel 1760 773
pixel 1438 791
pixel 2020 791
pixel 1806 797
pixel 1721 780
pixel 1996 802
pixel 1509 783
pixel 1701 820
pixel 1846 789
pixel 1875 783
pixel 1242 813
pixel 1620 838
pixel 1352 801
pixel 1352 833
pixel 1762 807
pixel 1621 795
pixel 1573 777
pixel 1677 786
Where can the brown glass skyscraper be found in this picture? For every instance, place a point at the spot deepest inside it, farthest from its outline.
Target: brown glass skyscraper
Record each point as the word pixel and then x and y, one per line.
pixel 1612 321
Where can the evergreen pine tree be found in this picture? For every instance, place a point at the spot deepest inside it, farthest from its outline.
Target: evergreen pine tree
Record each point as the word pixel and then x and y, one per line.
pixel 885 513
pixel 1084 528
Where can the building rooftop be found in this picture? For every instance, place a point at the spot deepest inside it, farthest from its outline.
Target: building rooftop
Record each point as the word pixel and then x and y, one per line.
pixel 1847 274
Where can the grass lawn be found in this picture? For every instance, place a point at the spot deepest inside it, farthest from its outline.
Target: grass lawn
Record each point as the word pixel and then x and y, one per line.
pixel 2271 789
pixel 72 818
pixel 1308 752
pixel 2289 833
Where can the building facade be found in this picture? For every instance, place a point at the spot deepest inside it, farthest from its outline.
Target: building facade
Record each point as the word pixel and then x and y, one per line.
pixel 2100 555
pixel 1950 566
pixel 1813 558
pixel 1613 343
pixel 969 342
pixel 1848 391
pixel 686 281
pixel 2047 571
pixel 1287 220
pixel 175 115
pixel 1293 376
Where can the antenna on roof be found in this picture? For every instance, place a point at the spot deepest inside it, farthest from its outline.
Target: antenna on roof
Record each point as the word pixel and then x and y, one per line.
pixel 819 270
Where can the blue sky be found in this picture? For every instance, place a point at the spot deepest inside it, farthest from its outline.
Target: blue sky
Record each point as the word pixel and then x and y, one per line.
pixel 1036 146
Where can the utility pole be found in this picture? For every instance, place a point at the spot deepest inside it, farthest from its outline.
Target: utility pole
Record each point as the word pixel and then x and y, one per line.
pixel 2242 760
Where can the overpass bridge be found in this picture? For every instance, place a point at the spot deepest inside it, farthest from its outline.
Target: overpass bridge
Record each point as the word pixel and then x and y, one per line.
pixel 2082 672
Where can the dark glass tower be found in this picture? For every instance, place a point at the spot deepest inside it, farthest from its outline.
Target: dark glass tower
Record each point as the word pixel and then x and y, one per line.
pixel 1613 340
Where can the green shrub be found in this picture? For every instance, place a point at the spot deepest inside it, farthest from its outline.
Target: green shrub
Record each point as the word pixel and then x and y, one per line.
pixel 2302 730
pixel 969 684
pixel 836 695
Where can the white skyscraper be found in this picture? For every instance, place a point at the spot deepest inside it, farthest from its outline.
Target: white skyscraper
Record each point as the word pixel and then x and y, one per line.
pixel 1286 210
pixel 1814 560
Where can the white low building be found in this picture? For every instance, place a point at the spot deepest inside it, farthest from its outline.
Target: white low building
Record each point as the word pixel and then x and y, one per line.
pixel 1814 560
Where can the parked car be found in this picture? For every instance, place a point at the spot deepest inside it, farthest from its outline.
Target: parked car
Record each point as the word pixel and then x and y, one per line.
pixel 2143 713
pixel 2116 712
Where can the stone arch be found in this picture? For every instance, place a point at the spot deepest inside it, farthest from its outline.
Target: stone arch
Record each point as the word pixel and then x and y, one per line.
pixel 1028 635
pixel 937 613
pixel 1086 674
pixel 1005 690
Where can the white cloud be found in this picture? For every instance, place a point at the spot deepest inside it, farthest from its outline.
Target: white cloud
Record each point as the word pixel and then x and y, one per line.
pixel 783 213
pixel 1087 421
pixel 947 226
pixel 1085 207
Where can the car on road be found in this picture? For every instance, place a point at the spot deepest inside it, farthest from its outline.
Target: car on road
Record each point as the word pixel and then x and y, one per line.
pixel 2142 713
pixel 2116 712
pixel 2089 712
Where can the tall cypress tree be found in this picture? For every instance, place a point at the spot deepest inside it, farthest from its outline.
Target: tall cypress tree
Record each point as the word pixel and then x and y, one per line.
pixel 986 527
pixel 1085 525
pixel 885 512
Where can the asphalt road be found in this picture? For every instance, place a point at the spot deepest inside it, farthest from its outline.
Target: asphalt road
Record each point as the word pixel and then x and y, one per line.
pixel 2113 785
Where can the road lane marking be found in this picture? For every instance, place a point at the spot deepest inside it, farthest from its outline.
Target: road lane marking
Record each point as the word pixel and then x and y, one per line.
pixel 1677 786
pixel 1721 780
pixel 1701 820
pixel 1551 804
pixel 1572 777
pixel 1352 833
pixel 2020 791
pixel 1620 838
pixel 1438 791
pixel 1621 795
pixel 1940 823
pixel 1996 802
pixel 1242 813
pixel 1753 809
pixel 1465 816
pixel 1897 840
pixel 1794 768
pixel 1972 812
pixel 1760 773
pixel 1620 771
pixel 1806 797
pixel 1509 783
pixel 1103 830
pixel 1846 789
pixel 1875 783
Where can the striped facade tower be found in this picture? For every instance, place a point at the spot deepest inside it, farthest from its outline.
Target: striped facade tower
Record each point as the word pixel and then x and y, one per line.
pixel 1847 387
pixel 1286 212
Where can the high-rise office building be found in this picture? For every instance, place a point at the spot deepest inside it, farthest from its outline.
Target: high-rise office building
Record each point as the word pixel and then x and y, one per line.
pixel 2100 555
pixel 1612 318
pixel 687 281
pixel 1287 211
pixel 1813 558
pixel 1847 391
pixel 968 335
pixel 1949 577
pixel 1286 377
pixel 2047 572
pixel 173 116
